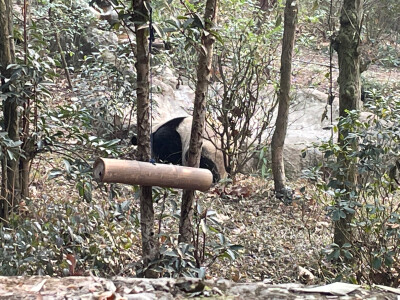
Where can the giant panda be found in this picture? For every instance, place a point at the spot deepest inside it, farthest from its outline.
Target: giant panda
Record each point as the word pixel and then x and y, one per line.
pixel 170 144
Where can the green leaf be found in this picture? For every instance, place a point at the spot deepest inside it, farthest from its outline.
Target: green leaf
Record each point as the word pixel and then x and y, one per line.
pixel 171 253
pixel 55 173
pixel 175 21
pixel 278 21
pixel 213 229
pixel 336 215
pixel 188 22
pixel 231 254
pixel 204 227
pixel 351 211
pixel 113 142
pixel 11 155
pixel 347 254
pixel 376 262
pixel 236 247
pixel 222 238
pixel 158 30
pixel 334 255
pixel 389 260
pixel 198 21
pixel 67 166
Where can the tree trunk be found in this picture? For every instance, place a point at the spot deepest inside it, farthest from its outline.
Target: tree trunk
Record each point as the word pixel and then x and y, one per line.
pixel 199 116
pixel 347 47
pixel 278 138
pixel 10 172
pixel 150 248
pixel 63 60
pixel 265 5
pixel 29 149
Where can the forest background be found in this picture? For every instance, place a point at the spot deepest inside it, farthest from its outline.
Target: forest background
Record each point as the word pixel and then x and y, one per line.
pixel 72 95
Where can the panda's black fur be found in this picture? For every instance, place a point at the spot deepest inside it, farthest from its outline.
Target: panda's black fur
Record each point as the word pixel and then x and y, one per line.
pixel 167 147
pixel 167 143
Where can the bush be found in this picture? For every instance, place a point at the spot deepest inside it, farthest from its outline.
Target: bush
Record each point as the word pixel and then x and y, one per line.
pixel 209 242
pixel 69 237
pixel 373 256
pixel 66 236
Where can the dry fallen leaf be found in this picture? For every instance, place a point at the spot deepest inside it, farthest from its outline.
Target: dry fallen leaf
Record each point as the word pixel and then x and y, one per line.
pixel 37 288
pixel 71 263
pixel 305 276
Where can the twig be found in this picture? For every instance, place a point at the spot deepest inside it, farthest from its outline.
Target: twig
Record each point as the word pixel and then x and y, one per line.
pixel 313 63
pixel 64 62
pixel 162 212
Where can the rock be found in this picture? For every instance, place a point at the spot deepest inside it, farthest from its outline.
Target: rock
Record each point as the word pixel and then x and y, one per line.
pixel 306 128
pixel 81 288
pixel 146 285
pixel 223 284
pixel 246 290
pixel 190 285
pixel 163 284
pixel 142 296
pixel 305 125
pixel 96 40
pixel 170 102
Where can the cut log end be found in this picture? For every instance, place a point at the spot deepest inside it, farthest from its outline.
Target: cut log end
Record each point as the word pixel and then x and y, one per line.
pixel 98 169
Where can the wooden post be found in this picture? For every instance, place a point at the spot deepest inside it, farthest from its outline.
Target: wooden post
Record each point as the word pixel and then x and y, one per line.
pixel 148 174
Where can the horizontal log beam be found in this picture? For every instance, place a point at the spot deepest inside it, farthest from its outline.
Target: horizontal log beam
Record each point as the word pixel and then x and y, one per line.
pixel 148 174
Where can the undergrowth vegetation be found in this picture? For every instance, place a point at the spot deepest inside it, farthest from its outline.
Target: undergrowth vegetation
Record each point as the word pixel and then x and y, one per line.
pixel 65 236
pixel 373 254
pixel 59 234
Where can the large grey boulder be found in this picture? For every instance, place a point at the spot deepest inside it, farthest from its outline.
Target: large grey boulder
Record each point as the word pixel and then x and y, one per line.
pixel 170 100
pixel 305 128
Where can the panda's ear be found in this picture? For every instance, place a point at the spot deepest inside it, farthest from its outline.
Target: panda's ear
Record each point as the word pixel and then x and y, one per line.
pixel 134 140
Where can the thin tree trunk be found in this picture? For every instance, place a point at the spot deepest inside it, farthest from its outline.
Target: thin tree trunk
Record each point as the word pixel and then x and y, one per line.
pixel 4 207
pixel 10 172
pixel 150 247
pixel 347 46
pixel 60 50
pixel 9 13
pixel 24 162
pixel 24 177
pixel 6 41
pixel 199 116
pixel 278 138
pixel 63 60
pixel 29 150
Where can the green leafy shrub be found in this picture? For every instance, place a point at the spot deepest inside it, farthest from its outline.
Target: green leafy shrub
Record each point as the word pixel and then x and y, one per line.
pixel 373 255
pixel 48 235
pixel 64 236
pixel 209 241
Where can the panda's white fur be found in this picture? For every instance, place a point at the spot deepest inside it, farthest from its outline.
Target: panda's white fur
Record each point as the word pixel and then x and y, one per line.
pixel 208 150
pixel 184 130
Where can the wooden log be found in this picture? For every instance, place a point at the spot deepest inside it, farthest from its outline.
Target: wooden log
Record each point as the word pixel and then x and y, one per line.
pixel 148 174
